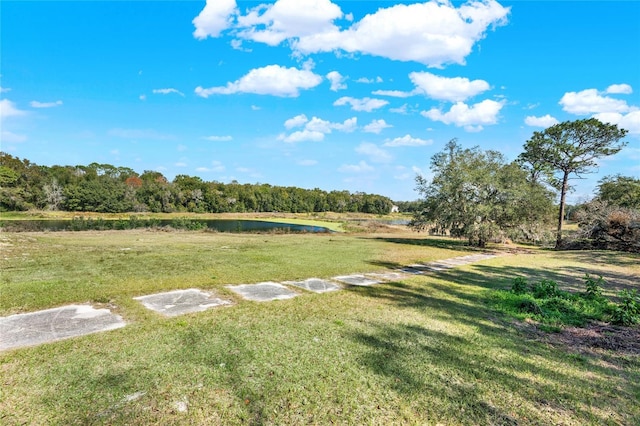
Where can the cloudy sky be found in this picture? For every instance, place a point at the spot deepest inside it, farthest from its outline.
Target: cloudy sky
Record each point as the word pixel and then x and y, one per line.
pixel 354 95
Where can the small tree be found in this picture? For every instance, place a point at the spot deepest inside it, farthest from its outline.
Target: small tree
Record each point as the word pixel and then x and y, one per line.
pixel 571 148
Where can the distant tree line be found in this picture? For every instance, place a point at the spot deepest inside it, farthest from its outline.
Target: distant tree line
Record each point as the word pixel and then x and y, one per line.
pixel 110 189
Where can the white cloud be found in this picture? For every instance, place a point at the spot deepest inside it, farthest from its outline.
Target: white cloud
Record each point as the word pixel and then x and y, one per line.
pixel 376 126
pixel 218 138
pixel 630 121
pixel 375 154
pixel 589 101
pixel 364 104
pixel 315 129
pixel 623 89
pixel 139 134
pixel 180 164
pixel 214 18
pixel 544 121
pixel 337 81
pixel 404 109
pixel 270 80
pixel 470 117
pixel 393 93
pixel 302 136
pixel 361 167
pixel 407 140
pixel 366 80
pixel 348 126
pixel 455 89
pixel 4 89
pixel 36 104
pixel 8 109
pixel 142 97
pixel 297 121
pixel 307 163
pixel 289 19
pixel 433 33
pixel 255 108
pixel 168 91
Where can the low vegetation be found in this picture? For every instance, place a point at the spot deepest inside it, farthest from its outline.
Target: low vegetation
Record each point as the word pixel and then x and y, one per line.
pixel 430 349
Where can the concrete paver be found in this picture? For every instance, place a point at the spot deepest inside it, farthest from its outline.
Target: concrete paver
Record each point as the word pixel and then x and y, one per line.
pixel 263 292
pixel 77 320
pixel 181 302
pixel 316 285
pixel 356 279
pixel 55 324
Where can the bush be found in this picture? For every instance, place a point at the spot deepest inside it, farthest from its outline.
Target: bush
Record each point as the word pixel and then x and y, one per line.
pixel 545 289
pixel 627 312
pixel 594 287
pixel 519 285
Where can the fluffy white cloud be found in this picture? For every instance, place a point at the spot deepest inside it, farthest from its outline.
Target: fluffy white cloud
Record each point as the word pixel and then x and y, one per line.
pixel 590 101
pixel 630 121
pixel 470 117
pixel 433 33
pixel 376 126
pixel 289 19
pixel 9 109
pixel 544 121
pixel 364 104
pixel 623 89
pixel 375 154
pixel 270 80
pixel 337 81
pixel 218 138
pixel 407 140
pixel 167 91
pixel 214 18
pixel 297 121
pixel 302 136
pixel 361 167
pixel 455 89
pixel 315 129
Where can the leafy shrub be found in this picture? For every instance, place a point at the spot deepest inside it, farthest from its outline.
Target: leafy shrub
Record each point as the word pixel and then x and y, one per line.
pixel 530 307
pixel 627 312
pixel 594 286
pixel 545 289
pixel 519 285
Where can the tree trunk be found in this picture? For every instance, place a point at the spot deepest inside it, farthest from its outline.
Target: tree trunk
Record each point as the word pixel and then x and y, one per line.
pixel 563 193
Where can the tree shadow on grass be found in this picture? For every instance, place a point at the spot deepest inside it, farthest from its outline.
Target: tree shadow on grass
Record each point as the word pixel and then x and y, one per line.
pixel 434 242
pixel 459 368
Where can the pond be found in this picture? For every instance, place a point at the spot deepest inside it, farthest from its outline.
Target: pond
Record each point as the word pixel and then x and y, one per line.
pixel 220 225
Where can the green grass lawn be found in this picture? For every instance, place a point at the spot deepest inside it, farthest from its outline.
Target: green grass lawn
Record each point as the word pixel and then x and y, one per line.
pixel 427 350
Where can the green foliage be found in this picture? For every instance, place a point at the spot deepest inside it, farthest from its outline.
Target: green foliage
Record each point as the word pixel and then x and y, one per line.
pixel 618 190
pixel 627 312
pixel 553 308
pixel 569 148
pixel 110 189
pixel 594 286
pixel 519 285
pixel 477 195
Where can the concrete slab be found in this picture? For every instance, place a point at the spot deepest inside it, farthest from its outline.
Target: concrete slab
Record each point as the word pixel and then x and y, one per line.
pixel 387 276
pixel 55 324
pixel 263 292
pixel 179 302
pixel 356 279
pixel 316 285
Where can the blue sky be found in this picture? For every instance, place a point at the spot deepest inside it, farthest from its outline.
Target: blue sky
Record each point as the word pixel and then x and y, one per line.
pixel 354 95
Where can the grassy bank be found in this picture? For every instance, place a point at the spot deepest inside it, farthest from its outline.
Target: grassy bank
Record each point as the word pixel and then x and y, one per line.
pixel 426 350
